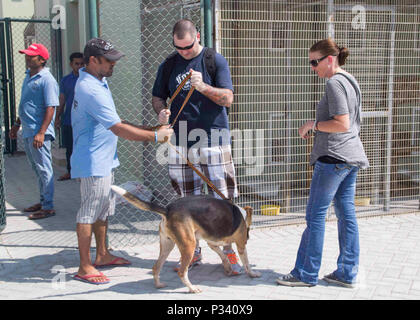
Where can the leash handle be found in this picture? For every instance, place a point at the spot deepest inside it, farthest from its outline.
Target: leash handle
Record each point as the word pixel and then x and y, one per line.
pixel 183 105
pixel 209 183
pixel 178 89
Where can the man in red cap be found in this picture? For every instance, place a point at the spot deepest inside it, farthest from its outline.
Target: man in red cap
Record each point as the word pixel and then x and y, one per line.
pixel 38 101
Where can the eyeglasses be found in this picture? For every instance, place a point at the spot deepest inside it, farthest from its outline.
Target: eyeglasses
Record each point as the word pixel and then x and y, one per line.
pixel 184 48
pixel 315 63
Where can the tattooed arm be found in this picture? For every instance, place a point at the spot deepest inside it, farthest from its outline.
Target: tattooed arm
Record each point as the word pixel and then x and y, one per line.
pixel 221 96
pixel 160 107
pixel 158 104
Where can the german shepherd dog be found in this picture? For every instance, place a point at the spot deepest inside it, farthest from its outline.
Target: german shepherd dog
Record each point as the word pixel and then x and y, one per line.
pixel 217 221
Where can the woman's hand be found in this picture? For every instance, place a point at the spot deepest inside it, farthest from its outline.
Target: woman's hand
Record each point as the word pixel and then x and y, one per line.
pixel 304 130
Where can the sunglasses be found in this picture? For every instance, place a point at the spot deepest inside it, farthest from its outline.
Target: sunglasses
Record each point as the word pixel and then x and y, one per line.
pixel 184 48
pixel 315 63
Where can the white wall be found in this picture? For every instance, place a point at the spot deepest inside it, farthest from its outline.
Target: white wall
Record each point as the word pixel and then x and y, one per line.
pixel 76 31
pixel 16 9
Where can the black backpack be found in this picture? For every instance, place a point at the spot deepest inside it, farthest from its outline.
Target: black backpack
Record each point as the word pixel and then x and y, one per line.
pixel 209 62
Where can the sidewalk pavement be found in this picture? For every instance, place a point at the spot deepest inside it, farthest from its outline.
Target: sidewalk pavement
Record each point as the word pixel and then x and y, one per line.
pixel 38 258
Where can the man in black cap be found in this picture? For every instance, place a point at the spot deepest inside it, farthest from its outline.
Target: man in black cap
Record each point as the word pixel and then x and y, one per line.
pixel 96 128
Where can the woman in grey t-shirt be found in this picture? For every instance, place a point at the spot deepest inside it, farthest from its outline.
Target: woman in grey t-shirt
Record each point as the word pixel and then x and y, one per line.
pixel 337 156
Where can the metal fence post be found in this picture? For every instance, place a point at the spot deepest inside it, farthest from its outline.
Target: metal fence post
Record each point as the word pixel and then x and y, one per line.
pixel 2 191
pixel 5 80
pixel 12 101
pixel 208 24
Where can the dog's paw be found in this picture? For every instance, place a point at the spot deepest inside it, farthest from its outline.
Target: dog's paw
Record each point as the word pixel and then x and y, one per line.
pixel 194 289
pixel 254 274
pixel 160 285
pixel 227 268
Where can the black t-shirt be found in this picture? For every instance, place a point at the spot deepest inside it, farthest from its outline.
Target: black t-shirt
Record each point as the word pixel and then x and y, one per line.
pixel 200 116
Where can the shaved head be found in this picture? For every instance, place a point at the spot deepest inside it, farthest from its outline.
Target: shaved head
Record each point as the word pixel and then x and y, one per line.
pixel 184 27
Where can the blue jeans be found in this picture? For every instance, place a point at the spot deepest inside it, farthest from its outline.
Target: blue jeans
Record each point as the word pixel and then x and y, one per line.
pixel 41 162
pixel 330 182
pixel 67 133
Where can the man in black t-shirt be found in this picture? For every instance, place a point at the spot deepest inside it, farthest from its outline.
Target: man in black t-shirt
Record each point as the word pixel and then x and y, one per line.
pixel 202 129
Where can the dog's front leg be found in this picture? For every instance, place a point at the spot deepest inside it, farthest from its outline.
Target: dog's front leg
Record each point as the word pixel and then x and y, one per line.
pixel 226 265
pixel 244 258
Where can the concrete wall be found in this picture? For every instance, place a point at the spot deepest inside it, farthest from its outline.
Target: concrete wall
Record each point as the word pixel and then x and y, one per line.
pixel 16 9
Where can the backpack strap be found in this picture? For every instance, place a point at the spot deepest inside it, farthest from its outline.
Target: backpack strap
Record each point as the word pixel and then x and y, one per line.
pixel 210 63
pixel 166 72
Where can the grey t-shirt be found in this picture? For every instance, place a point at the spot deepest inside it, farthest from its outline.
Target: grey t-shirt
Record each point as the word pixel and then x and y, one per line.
pixel 342 96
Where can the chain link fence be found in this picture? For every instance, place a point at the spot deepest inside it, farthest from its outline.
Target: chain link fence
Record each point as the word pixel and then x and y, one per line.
pixel 2 185
pixel 17 34
pixel 266 43
pixel 20 34
pixel 146 39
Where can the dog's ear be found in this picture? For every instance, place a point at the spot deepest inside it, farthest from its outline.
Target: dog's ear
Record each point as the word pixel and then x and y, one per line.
pixel 249 211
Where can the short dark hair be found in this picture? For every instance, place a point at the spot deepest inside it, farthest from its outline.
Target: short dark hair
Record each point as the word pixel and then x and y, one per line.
pixel 182 27
pixel 76 55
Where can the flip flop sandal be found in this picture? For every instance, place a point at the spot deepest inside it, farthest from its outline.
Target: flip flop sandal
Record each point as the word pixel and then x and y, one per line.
pixel 41 214
pixel 87 278
pixel 34 208
pixel 113 263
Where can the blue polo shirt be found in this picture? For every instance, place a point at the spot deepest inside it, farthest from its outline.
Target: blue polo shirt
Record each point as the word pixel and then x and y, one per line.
pixel 38 92
pixel 92 114
pixel 67 85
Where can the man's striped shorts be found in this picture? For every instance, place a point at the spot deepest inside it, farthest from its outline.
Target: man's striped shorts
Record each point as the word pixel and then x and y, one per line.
pixel 214 162
pixel 97 199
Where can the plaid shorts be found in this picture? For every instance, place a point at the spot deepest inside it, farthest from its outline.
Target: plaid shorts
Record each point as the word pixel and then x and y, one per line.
pixel 97 199
pixel 214 162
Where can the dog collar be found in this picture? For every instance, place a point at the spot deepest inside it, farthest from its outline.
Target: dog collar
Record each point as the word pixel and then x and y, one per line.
pixel 243 212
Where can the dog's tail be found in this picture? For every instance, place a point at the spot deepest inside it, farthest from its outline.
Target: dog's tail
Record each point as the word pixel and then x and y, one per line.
pixel 135 201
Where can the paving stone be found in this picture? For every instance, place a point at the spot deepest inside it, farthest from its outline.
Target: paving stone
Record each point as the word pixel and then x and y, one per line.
pixel 389 259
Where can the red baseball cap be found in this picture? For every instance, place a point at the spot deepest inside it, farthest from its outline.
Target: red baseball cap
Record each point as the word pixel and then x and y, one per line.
pixel 36 49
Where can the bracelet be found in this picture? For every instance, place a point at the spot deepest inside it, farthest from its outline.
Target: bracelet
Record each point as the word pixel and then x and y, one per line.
pixel 314 126
pixel 156 137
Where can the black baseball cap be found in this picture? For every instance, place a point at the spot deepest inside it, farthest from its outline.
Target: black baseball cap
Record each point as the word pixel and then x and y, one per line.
pixel 100 47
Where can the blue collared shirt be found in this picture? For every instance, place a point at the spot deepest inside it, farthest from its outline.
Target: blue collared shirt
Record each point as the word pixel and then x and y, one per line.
pixel 67 85
pixel 38 92
pixel 92 115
